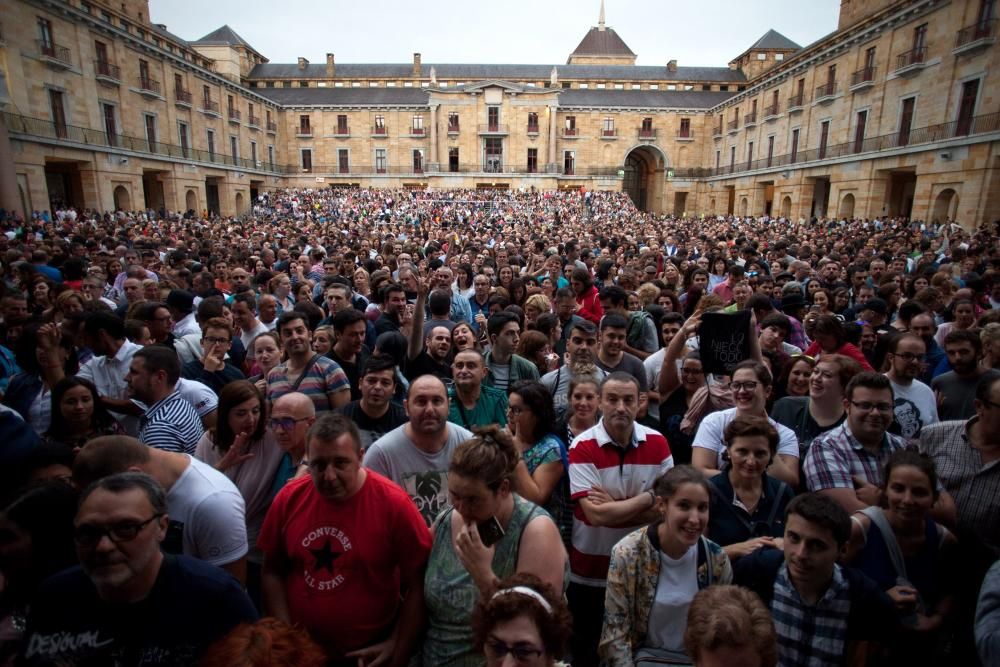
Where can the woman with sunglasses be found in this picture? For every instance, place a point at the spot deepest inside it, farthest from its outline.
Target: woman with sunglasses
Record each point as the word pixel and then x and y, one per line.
pixel 747 509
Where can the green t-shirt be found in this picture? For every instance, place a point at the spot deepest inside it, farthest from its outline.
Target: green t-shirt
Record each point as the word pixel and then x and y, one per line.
pixel 491 408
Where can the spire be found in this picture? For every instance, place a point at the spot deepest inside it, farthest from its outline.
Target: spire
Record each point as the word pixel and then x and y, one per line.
pixel 600 19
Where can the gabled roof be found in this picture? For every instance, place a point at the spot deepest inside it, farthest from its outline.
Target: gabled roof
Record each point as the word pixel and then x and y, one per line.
pixel 224 36
pixel 773 39
pixel 601 41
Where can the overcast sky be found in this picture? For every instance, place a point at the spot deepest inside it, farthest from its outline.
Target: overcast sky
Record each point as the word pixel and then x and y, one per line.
pixel 510 31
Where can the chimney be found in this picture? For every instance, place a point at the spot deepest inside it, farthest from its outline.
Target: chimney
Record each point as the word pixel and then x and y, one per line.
pixel 331 69
pixel 672 66
pixel 416 64
pixel 303 63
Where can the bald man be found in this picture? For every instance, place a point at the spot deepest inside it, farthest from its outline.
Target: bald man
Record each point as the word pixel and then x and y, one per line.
pixel 291 417
pixel 416 455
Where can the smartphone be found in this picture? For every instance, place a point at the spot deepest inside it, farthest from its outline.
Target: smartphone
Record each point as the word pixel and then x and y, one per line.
pixel 490 531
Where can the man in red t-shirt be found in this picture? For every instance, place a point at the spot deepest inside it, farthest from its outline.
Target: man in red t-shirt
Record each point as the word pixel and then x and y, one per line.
pixel 342 548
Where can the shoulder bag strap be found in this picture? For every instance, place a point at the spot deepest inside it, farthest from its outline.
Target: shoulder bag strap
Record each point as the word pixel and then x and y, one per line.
pixel 302 376
pixel 774 502
pixel 891 544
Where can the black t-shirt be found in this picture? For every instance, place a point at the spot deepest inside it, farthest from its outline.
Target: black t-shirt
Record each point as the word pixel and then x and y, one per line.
pixel 425 365
pixel 352 369
pixel 793 412
pixel 372 429
pixel 192 604
pixel 672 413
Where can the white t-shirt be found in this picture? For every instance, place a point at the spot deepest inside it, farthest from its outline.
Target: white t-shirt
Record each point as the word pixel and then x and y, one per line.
pixel 915 407
pixel 209 511
pixel 199 395
pixel 652 364
pixel 713 427
pixel 246 337
pixel 675 588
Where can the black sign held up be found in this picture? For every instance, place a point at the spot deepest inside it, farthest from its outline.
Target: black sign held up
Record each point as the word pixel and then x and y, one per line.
pixel 723 340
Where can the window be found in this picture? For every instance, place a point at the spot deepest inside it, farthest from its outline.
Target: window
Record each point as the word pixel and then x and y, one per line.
pixel 418 125
pixel 453 160
pixel 307 160
pixel 608 127
pixel 234 147
pixel 150 123
pixel 967 107
pixel 379 124
pixel 493 118
pixel 770 149
pixel 107 17
pixel 718 159
pixel 253 154
pixel 570 126
pixel 453 122
pixel 230 104
pixel 870 60
pixel 566 85
pixel 343 161
pixel 600 86
pixel 671 86
pixel 795 144
pixel 45 36
pixel 636 86
pixel 919 38
pixel 761 56
pixel 619 86
pixel 388 84
pixel 859 131
pixel 267 117
pixel 101 51
pixel 532 122
pixel 286 84
pixel 144 74
pixel 706 86
pixel 206 95
pixel 569 163
pixel 732 158
pixel 303 84
pixel 270 154
pixel 182 137
pixel 86 6
pixel 749 155
pixel 723 88
pixel 110 126
pixel 342 124
pixel 304 126
pixel 906 120
pixel 211 145
pixel 654 86
pixel 779 56
pixel 380 161
pixel 418 161
pixel 58 110
pixel 493 155
pixel 373 84
pixel 824 137
pixel 532 160
pixel 584 86
pixel 685 131
pixel 406 84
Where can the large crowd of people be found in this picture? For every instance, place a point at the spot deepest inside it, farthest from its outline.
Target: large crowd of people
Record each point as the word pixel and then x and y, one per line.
pixel 485 427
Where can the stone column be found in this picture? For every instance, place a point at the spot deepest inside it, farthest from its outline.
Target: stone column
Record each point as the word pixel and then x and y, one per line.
pixel 433 166
pixel 9 198
pixel 553 129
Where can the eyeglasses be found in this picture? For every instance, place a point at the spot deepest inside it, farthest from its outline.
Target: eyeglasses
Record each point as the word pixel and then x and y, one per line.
pixel 498 650
pixel 88 535
pixel 741 386
pixel 990 404
pixel 909 357
pixel 217 341
pixel 284 423
pixel 866 406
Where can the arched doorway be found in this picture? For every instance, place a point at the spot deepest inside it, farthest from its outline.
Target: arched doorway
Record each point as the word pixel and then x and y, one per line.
pixel 847 206
pixel 945 206
pixel 786 207
pixel 191 201
pixel 239 203
pixel 644 169
pixel 123 201
pixel 744 206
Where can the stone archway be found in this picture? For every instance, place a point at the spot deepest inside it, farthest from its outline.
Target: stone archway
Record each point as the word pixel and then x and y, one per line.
pixel 945 206
pixel 645 166
pixel 786 207
pixel 123 200
pixel 846 207
pixel 191 201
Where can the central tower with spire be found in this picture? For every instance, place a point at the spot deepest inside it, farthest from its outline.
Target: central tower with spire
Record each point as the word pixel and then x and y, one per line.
pixel 601 46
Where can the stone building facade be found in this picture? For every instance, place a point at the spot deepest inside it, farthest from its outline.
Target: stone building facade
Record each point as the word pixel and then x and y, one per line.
pixel 894 112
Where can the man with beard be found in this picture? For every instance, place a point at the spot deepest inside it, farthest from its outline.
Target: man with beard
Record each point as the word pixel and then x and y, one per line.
pixel 915 407
pixel 924 326
pixel 956 389
pixel 611 355
pixel 345 552
pixel 474 404
pixel 578 360
pixel 393 303
pixel 375 413
pixel 128 603
pixel 417 454
pixel 427 354
pixel 306 372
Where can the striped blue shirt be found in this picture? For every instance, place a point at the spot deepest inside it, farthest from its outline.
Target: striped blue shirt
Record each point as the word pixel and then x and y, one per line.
pixel 171 424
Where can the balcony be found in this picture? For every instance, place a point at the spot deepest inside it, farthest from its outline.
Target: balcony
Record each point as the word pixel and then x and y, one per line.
pixel 493 129
pixel 771 113
pixel 571 133
pixel 796 103
pixel 149 87
pixel 452 130
pixel 685 135
pixel 533 129
pixel 304 132
pixel 182 98
pixel 272 127
pixel 717 131
pixel 863 79
pixel 609 133
pixel 826 93
pixel 253 122
pixel 733 126
pixel 107 73
pixel 210 108
pixel 418 132
pixel 750 119
pixel 234 116
pixel 54 55
pixel 379 131
pixel 647 134
pixel 975 37
pixel 911 62
pixel 342 131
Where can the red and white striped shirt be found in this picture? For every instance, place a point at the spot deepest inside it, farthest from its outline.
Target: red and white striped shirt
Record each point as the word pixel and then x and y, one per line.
pixel 623 472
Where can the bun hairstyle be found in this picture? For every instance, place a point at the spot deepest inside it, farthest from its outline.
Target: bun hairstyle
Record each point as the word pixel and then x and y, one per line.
pixel 489 456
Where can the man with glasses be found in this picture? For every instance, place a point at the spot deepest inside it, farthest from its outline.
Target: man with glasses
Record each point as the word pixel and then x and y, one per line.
pixel 213 370
pixel 291 417
pixel 915 406
pixel 207 511
pixel 127 600
pixel 345 552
